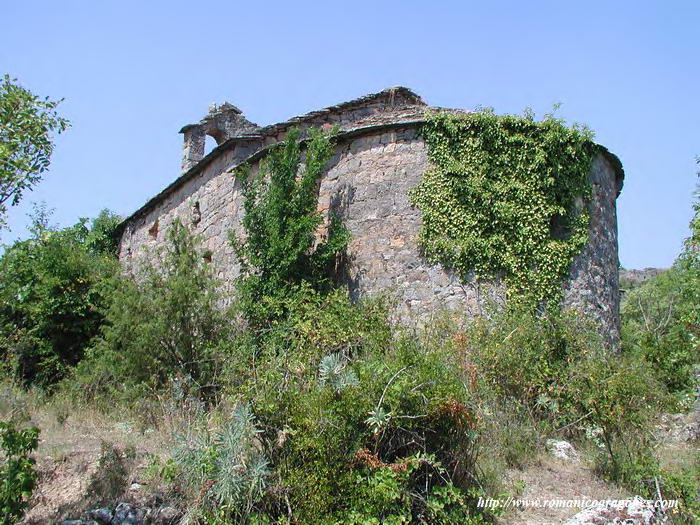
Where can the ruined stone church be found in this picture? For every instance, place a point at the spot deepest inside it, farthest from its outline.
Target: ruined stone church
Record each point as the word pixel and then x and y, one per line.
pixel 379 157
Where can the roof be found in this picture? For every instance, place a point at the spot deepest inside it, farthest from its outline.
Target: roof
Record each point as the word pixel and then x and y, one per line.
pixel 390 95
pixel 394 97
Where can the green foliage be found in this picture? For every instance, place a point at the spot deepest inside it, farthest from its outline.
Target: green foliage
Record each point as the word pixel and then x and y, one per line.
pixel 640 471
pixel 102 236
pixel 682 486
pixel 27 125
pixel 279 250
pixel 523 357
pixel 505 198
pixel 557 370
pixel 657 325
pixel 386 494
pixel 163 323
pixel 618 397
pixel 333 371
pixel 315 386
pixel 51 295
pixel 223 469
pixel 17 473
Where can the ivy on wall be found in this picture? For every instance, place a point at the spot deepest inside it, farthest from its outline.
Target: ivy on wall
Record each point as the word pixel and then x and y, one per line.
pixel 505 197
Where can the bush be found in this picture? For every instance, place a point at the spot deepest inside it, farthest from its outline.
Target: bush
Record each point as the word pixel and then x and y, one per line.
pixel 654 325
pixel 17 473
pixel 108 482
pixel 165 322
pixel 525 358
pixel 223 470
pixel 555 370
pixel 616 399
pixel 51 297
pixel 387 494
pixel 335 380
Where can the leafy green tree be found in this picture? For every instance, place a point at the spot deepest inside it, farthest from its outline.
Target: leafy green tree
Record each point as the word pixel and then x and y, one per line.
pixel 27 126
pixel 279 250
pixel 51 295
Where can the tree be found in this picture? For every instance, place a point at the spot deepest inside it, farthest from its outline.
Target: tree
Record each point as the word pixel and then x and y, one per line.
pixel 27 126
pixel 51 296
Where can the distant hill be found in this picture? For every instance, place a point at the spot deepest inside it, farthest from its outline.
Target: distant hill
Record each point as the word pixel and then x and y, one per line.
pixel 631 279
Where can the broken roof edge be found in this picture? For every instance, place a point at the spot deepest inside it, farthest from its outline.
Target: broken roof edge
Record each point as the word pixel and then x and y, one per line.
pixel 390 93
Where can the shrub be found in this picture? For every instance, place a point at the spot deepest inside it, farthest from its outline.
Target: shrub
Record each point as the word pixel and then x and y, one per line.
pixel 554 370
pixel 408 491
pixel 165 322
pixel 654 325
pixel 520 356
pixel 615 398
pixel 51 297
pixel 110 479
pixel 17 473
pixel 325 399
pixel 224 471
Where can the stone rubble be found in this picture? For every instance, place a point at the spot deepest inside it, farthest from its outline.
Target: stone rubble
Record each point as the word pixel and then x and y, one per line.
pixel 637 512
pixel 128 514
pixel 562 449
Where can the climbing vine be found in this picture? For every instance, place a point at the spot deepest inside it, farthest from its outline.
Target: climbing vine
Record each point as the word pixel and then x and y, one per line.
pixel 504 197
pixel 280 253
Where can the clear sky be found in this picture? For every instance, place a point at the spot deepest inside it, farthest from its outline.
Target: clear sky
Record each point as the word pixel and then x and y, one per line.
pixel 132 73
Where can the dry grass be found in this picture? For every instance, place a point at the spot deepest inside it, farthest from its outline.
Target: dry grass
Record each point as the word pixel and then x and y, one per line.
pixel 85 457
pixel 552 478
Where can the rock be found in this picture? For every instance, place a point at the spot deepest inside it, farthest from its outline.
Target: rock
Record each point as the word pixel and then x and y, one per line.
pixel 125 514
pixel 637 511
pixel 103 516
pixel 167 516
pixel 562 449
pixel 135 486
pixel 680 427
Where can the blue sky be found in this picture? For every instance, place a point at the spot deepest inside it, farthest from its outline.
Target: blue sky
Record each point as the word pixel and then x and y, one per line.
pixel 132 73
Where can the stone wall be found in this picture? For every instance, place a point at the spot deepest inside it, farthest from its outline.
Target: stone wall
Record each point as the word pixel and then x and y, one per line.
pixel 378 159
pixel 593 287
pixel 367 185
